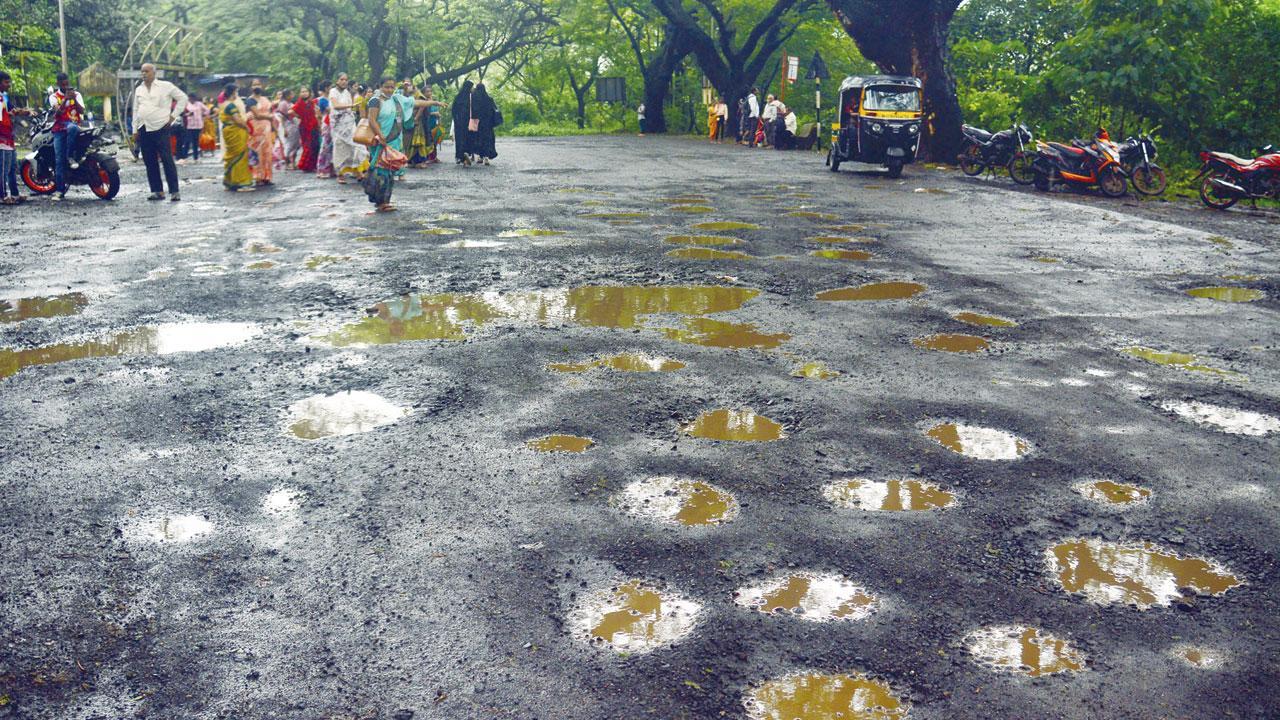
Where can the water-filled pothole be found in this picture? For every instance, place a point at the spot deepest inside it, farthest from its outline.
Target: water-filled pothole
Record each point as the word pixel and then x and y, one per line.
pixel 1140 574
pixel 734 426
pixel 819 696
pixel 721 334
pixel 473 244
pixel 561 443
pixel 530 232
pixel 316 262
pixel 622 362
pixel 616 215
pixel 1113 494
pixel 1217 417
pixel 952 342
pixel 633 617
pixel 817 597
pixel 815 371
pixel 260 265
pixel 811 215
pixel 1199 656
pixel 261 247
pixel 972 318
pixel 19 309
pixel 874 291
pixel 703 240
pixel 166 528
pixel 1025 650
pixel 979 443
pixel 703 253
pixel 439 231
pixel 842 254
pixel 162 339
pixel 1227 294
pixel 1184 361
pixel 344 413
pixel 888 495
pixel 726 226
pixel 678 501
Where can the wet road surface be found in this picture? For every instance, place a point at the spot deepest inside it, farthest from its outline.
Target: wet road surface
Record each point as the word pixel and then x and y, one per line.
pixel 628 428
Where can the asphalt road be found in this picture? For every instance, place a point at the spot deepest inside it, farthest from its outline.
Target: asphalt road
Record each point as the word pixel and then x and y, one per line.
pixel 267 455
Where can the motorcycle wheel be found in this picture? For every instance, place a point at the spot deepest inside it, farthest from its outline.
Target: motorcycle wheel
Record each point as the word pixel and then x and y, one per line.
pixel 107 184
pixel 833 160
pixel 1149 180
pixel 971 162
pixel 1020 169
pixel 895 168
pixel 1112 183
pixel 33 182
pixel 1041 181
pixel 1209 194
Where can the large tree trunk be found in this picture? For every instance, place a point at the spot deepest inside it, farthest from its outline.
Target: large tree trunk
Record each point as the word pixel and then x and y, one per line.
pixel 657 80
pixel 909 37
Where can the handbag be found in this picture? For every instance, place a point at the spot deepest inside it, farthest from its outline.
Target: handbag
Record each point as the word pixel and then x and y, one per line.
pixel 474 123
pixel 497 117
pixel 391 159
pixel 364 133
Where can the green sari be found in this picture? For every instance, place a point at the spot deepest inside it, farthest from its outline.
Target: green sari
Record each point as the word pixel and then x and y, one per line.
pixel 235 149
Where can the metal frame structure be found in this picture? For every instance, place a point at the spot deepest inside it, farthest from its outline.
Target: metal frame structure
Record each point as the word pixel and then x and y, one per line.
pixel 170 46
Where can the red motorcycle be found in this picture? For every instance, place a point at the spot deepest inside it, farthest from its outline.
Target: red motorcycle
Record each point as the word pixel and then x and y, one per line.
pixel 1226 179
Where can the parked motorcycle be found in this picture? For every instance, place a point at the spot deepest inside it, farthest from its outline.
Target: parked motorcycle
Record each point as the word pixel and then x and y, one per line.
pixel 92 161
pixel 1137 157
pixel 1227 179
pixel 1007 149
pixel 1080 165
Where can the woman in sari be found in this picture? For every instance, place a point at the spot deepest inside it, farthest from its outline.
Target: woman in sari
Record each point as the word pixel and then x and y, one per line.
pixel 429 132
pixel 235 142
pixel 289 137
pixel 262 139
pixel 308 130
pixel 324 159
pixel 342 120
pixel 386 119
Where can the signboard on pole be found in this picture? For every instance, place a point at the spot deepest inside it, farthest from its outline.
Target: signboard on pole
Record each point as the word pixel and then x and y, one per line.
pixel 793 69
pixel 611 90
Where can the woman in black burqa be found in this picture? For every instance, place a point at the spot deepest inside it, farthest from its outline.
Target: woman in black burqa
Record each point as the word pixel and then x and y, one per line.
pixel 461 135
pixel 483 145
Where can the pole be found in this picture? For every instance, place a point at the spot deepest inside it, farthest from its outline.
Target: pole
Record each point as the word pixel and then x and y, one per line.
pixel 817 102
pixel 785 66
pixel 62 34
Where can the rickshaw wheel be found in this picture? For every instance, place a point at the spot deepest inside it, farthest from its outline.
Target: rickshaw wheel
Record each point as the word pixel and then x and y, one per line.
pixel 895 169
pixel 833 160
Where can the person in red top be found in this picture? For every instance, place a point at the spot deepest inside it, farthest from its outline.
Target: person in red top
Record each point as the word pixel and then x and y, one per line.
pixel 308 127
pixel 8 155
pixel 68 108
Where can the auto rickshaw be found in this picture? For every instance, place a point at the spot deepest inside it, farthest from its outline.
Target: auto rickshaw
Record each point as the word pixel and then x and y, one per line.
pixel 880 119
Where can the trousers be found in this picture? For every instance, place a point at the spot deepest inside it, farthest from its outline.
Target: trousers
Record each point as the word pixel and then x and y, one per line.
pixel 154 146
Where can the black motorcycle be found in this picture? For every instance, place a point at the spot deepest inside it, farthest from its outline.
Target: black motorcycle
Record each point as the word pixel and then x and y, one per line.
pixel 91 162
pixel 1007 149
pixel 1137 157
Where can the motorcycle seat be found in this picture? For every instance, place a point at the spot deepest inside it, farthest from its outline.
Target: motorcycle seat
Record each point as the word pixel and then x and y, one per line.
pixel 977 133
pixel 1233 159
pixel 1066 148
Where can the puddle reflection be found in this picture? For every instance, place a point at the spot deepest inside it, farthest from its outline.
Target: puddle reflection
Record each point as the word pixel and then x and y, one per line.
pixel 734 426
pixel 818 696
pixel 1139 574
pixel 19 309
pixel 163 339
pixel 1024 650
pixel 815 597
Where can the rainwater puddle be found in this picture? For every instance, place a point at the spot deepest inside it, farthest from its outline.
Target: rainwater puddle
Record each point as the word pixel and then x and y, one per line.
pixel 19 309
pixel 440 231
pixel 315 262
pixel 836 239
pixel 678 501
pixel 163 339
pixel 734 426
pixel 1227 294
pixel 1024 650
pixel 1242 278
pixel 561 443
pixel 815 371
pixel 344 413
pixel 372 238
pixel 818 696
pixel 842 254
pixel 622 362
pixel 703 240
pixel 701 253
pixel 1114 494
pixel 166 529
pixel 634 617
pixel 1047 260
pixel 809 596
pixel 261 247
pixel 530 232
pixel 811 215
pixel 1217 417
pixel 726 226
pixel 955 343
pixel 888 495
pixel 208 270
pixel 1139 574
pixel 718 333
pixel 1199 657
pixel 979 443
pixel 260 265
pixel 874 291
pixel 1184 361
pixel 474 244
pixel 972 318
pixel 616 215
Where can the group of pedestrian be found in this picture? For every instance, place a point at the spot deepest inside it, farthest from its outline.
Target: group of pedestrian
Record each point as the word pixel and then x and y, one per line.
pixel 8 145
pixel 773 125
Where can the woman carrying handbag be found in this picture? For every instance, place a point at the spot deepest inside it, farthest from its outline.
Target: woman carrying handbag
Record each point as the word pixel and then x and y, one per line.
pixel 386 123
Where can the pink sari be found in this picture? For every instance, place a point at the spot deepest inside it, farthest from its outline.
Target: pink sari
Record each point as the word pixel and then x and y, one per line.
pixel 262 142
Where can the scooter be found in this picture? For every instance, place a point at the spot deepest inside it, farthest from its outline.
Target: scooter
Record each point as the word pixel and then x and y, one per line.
pixel 91 162
pixel 1080 165
pixel 1227 179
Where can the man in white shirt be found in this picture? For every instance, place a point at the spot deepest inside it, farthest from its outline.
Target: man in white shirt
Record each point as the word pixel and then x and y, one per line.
pixel 753 116
pixel 157 105
pixel 770 116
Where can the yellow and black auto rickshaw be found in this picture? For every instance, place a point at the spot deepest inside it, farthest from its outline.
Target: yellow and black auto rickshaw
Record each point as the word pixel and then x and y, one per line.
pixel 880 119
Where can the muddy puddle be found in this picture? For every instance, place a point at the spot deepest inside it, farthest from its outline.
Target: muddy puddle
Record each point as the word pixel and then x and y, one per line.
pixel 260 265
pixel 718 333
pixel 1113 494
pixel 833 254
pixel 372 238
pixel 817 597
pixel 678 501
pixel 317 262
pixel 616 215
pixel 163 339
pixel 345 413
pixel 734 426
pixel 474 244
pixel 977 319
pixel 837 240
pixel 561 444
pixel 979 443
pixel 19 309
pixel 1182 361
pixel 716 240
pixel 888 495
pixel 701 253
pixel 633 617
pixel 874 291
pixel 1199 656
pixel 1024 650
pixel 1223 419
pixel 815 371
pixel 256 247
pixel 165 529
pixel 725 226
pixel 439 231
pixel 530 232
pixel 622 362
pixel 1227 294
pixel 819 696
pixel 1138 574
pixel 952 342
pixel 811 215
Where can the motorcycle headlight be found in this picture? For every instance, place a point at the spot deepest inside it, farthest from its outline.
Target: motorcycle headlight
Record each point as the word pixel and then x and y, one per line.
pixel 876 127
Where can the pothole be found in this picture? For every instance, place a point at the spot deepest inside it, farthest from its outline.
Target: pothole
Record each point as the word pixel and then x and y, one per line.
pixel 1113 494
pixel 260 265
pixel 473 244
pixel 1183 361
pixel 952 342
pixel 874 291
pixel 842 254
pixel 815 371
pixel 19 309
pixel 721 334
pixel 316 262
pixel 702 253
pixel 166 529
pixel 438 231
pixel 734 426
pixel 1217 417
pixel 702 240
pixel 726 226
pixel 811 215
pixel 819 696
pixel 616 215
pixel 979 443
pixel 1024 650
pixel 816 597
pixel 622 362
pixel 1141 574
pixel 1199 656
pixel 678 501
pixel 345 413
pixel 561 443
pixel 530 232
pixel 633 617
pixel 372 238
pixel 261 246
pixel 888 495
pixel 972 318
pixel 1227 294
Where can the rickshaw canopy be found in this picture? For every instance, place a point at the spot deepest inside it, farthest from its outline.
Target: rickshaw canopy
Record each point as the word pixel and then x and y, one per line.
pixel 861 81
